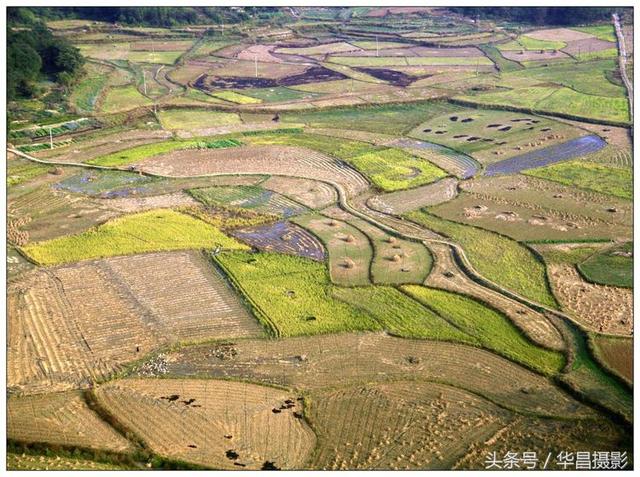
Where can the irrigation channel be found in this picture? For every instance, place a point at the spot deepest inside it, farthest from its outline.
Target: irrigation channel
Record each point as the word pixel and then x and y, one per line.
pixel 382 221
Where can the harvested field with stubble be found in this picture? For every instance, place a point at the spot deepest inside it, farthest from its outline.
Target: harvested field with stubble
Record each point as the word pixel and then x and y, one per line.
pixel 616 354
pixel 310 193
pixel 377 356
pixel 61 418
pixel 601 308
pixel 217 424
pixel 275 160
pixel 403 425
pixel 400 202
pixel 250 198
pixel 139 204
pixel 527 208
pixel 491 135
pixel 74 324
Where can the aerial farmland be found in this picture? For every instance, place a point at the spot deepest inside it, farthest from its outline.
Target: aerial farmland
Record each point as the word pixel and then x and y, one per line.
pixel 319 238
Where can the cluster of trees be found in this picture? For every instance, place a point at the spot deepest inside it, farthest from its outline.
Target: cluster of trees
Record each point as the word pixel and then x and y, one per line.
pixel 33 53
pixel 147 16
pixel 540 15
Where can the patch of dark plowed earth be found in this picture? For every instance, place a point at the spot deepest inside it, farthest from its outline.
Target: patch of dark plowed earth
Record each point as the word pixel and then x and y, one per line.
pixel 311 75
pixel 396 78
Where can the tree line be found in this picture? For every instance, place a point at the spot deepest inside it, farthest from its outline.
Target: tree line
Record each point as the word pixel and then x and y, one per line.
pixel 33 53
pixel 147 16
pixel 540 15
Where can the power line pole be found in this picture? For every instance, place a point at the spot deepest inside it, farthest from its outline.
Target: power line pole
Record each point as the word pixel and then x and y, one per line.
pixel 144 81
pixel 50 138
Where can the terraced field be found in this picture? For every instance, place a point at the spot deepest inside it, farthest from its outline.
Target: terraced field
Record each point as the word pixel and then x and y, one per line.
pixel 276 160
pixel 377 356
pixel 217 424
pixel 319 238
pixel 249 197
pixel 549 155
pixel 60 419
pixel 62 320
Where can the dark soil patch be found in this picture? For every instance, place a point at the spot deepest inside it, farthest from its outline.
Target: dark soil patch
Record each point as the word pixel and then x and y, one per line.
pixel 494 125
pixel 466 120
pixel 312 75
pixel 504 128
pixel 453 118
pixel 441 132
pixel 459 136
pixel 396 78
pixel 426 130
pixel 473 138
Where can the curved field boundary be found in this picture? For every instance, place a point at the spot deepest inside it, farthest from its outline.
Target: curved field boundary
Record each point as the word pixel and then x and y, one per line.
pixel 399 202
pixel 460 164
pixel 549 155
pixel 461 258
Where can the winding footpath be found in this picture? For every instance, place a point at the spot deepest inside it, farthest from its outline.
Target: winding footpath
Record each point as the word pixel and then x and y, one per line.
pixel 374 217
pixel 460 259
pixel 622 60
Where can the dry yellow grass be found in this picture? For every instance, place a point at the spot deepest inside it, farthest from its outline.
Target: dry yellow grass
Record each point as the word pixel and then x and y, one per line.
pixel 218 424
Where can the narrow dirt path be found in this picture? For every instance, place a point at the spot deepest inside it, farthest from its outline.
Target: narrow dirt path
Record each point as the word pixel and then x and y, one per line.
pixel 458 255
pixel 622 60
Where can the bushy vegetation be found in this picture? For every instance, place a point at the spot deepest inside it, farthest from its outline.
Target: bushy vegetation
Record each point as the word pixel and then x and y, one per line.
pixel 33 53
pixel 292 295
pixel 500 259
pixel 588 175
pixel 539 15
pixel 151 231
pixel 491 329
pixel 146 16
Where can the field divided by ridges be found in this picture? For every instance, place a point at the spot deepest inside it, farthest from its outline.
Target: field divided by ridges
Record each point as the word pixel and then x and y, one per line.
pixel 549 155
